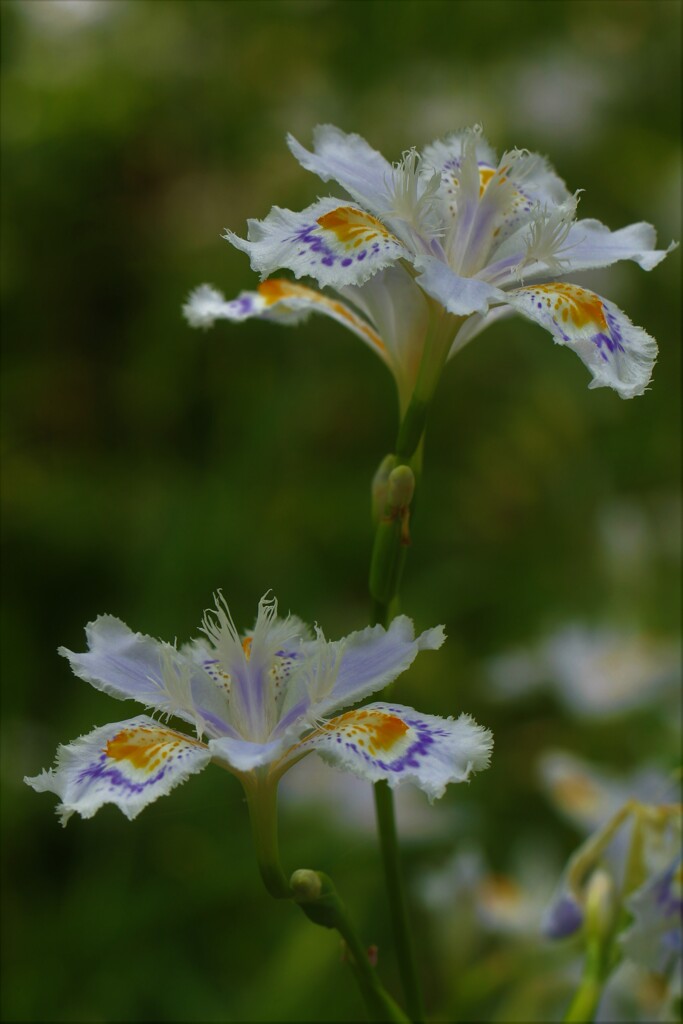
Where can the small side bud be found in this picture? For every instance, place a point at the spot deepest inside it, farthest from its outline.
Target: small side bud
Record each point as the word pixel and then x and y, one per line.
pixel 306 885
pixel 401 487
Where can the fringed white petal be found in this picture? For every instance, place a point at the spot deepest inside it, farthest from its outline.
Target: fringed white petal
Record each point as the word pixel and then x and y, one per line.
pixel 330 241
pixel 618 354
pixel 397 744
pixel 129 764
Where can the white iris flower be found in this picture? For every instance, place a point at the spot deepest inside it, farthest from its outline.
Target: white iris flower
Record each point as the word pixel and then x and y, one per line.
pixel 258 704
pixel 452 229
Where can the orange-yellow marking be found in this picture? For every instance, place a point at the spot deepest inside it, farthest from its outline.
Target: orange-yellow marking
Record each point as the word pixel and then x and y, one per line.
pixel 246 647
pixel 570 301
pixel 381 729
pixel 145 748
pixel 352 226
pixel 277 289
pixel 485 175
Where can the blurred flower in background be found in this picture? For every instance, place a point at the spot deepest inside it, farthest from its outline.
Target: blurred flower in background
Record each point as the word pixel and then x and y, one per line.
pixel 594 671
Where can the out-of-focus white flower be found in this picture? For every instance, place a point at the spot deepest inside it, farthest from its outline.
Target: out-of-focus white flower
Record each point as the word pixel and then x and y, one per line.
pixel 594 671
pixel 587 796
pixel 510 903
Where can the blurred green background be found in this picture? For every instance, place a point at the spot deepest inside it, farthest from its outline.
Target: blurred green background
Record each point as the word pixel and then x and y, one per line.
pixel 146 464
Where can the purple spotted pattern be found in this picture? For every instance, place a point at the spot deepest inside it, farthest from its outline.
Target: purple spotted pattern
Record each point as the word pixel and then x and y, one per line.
pixel 312 241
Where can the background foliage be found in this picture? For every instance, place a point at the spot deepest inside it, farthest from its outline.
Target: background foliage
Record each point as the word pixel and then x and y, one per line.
pixel 145 464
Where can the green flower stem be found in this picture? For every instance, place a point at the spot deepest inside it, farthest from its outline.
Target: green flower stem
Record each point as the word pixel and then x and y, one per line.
pixel 386 566
pixel 262 802
pixel 315 894
pixel 596 970
pixel 412 429
pixel 398 906
pixel 386 569
pixel 319 900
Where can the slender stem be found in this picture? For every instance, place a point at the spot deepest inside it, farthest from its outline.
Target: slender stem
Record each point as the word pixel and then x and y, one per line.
pixel 262 803
pixel 319 900
pixel 584 1005
pixel 403 937
pixel 386 570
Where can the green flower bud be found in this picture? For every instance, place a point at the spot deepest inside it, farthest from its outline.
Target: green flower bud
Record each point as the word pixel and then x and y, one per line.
pixel 401 487
pixel 306 885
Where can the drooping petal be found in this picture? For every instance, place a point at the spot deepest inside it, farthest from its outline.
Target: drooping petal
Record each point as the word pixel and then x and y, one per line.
pixel 130 665
pixel 350 161
pixel 363 663
pixel 589 244
pixel 281 301
pixel 129 764
pixel 334 243
pixel 618 354
pixel 461 296
pixel 398 744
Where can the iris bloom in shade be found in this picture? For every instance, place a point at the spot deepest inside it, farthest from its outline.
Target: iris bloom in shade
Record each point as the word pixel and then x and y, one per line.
pixel 258 704
pixel 634 838
pixel 454 229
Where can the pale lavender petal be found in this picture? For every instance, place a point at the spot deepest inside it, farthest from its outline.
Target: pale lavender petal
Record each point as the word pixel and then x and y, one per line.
pixel 365 661
pixel 589 244
pixel 350 161
pixel 459 295
pixel 373 657
pixel 129 665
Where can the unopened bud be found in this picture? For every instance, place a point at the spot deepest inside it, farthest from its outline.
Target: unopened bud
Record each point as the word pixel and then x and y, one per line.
pixel 306 885
pixel 601 905
pixel 401 487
